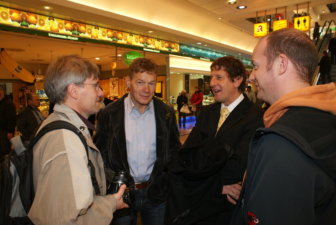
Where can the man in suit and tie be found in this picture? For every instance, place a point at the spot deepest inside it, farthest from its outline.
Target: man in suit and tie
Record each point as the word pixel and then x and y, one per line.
pixel 138 135
pixel 221 140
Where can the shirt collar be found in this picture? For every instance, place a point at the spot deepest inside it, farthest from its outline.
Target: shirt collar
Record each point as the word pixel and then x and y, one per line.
pixel 86 122
pixel 130 105
pixel 233 105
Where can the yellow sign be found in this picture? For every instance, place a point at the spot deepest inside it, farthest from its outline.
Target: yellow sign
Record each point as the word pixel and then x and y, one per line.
pixel 302 23
pixel 260 29
pixel 72 30
pixel 280 24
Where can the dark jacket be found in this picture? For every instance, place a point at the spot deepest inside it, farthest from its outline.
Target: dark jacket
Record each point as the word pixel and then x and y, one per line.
pixel 207 162
pixel 28 122
pixel 111 141
pixel 7 116
pixel 292 171
pixel 181 100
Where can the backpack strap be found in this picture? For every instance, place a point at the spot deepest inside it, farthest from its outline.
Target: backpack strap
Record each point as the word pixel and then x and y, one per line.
pixel 61 124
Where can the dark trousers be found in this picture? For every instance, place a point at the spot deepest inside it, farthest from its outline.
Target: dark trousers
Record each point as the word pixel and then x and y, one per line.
pixel 4 144
pixel 182 119
pixel 151 214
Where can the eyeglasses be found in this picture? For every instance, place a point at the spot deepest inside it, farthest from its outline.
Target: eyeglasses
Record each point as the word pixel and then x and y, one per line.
pixel 95 85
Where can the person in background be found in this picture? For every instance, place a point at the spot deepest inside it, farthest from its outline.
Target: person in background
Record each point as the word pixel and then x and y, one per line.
pixel 7 122
pixel 205 177
pixel 290 177
pixel 332 49
pixel 316 32
pixel 196 101
pixel 182 100
pixel 138 135
pixel 250 94
pixel 29 119
pixel 64 191
pixel 325 67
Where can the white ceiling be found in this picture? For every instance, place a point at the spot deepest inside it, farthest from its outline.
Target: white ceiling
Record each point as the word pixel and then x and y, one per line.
pixel 184 21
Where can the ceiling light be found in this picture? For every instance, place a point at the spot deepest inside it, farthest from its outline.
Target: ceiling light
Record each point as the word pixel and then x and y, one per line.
pixel 150 31
pixel 219 18
pixel 199 43
pixel 231 2
pixel 119 55
pixel 205 45
pixel 241 7
pixel 97 58
pixel 46 7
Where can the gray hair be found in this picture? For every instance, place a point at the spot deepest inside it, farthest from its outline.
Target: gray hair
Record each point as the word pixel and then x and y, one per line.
pixel 69 69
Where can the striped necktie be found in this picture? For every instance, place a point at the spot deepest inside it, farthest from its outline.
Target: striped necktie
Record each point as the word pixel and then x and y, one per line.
pixel 224 113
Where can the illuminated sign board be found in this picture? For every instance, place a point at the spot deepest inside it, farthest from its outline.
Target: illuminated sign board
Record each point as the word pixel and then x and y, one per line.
pixel 260 29
pixel 72 30
pixel 302 23
pixel 279 24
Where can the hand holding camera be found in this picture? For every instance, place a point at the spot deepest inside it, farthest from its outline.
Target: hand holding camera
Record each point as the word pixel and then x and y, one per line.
pixel 119 197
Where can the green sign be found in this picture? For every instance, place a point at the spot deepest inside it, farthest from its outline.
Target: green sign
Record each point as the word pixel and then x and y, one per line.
pixel 130 56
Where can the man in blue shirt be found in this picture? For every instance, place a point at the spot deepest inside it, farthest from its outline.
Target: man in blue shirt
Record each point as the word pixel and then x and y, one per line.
pixel 138 135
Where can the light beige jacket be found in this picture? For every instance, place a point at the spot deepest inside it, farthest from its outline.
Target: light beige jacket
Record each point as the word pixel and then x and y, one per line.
pixel 63 189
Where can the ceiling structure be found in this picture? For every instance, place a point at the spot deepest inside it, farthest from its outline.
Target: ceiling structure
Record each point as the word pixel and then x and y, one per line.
pixel 213 23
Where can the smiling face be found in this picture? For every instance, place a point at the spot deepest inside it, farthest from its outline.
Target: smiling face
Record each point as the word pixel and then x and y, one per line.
pixel 224 89
pixel 261 75
pixel 141 87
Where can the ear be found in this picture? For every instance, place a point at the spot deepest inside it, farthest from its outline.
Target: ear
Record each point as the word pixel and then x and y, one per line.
pixel 73 91
pixel 237 81
pixel 283 63
pixel 128 82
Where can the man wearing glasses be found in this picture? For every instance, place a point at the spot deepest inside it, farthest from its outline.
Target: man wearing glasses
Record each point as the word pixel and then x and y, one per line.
pixel 137 135
pixel 64 192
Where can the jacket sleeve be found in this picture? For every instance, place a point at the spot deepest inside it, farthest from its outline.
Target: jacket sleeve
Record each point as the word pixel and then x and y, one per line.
pixel 283 184
pixel 11 118
pixel 63 187
pixel 103 135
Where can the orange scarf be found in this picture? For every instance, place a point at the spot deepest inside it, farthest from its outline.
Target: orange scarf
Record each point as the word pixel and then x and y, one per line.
pixel 321 97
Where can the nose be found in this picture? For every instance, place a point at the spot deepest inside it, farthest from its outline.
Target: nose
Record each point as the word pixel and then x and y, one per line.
pixel 212 82
pixel 252 76
pixel 146 87
pixel 100 92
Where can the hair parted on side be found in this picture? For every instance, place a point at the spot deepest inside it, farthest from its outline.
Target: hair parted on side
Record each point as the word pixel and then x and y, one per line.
pixel 234 67
pixel 141 65
pixel 297 46
pixel 69 69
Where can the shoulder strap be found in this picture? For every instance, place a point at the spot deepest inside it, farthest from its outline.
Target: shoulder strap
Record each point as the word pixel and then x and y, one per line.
pixel 61 124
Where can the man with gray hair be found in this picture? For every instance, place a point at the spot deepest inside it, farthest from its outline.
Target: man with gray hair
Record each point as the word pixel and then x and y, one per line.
pixel 290 176
pixel 64 193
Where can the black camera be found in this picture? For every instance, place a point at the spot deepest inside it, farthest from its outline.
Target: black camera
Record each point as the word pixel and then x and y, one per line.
pixel 120 178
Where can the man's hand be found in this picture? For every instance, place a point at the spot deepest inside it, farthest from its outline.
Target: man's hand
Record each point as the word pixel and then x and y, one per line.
pixel 232 192
pixel 118 196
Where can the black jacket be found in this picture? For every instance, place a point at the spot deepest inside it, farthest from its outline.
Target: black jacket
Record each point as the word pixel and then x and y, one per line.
pixel 208 161
pixel 292 171
pixel 27 123
pixel 7 116
pixel 110 140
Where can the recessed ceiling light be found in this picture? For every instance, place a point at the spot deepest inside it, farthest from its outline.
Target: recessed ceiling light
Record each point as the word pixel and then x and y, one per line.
pixel 46 7
pixel 199 43
pixel 241 7
pixel 205 45
pixel 220 18
pixel 150 31
pixel 119 55
pixel 231 2
pixel 97 58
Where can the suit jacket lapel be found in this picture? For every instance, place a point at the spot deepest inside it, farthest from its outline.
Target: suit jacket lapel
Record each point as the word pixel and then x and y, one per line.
pixel 235 115
pixel 119 132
